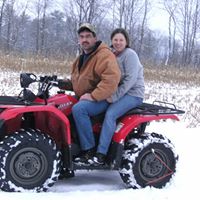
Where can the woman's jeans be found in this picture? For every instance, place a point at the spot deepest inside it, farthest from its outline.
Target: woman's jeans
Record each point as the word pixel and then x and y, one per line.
pixel 114 111
pixel 81 114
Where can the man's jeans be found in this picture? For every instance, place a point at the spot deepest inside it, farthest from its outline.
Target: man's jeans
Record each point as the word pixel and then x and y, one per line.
pixel 114 111
pixel 81 113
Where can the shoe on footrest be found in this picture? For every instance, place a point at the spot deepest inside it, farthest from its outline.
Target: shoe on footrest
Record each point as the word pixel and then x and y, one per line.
pixel 66 174
pixel 84 157
pixel 99 159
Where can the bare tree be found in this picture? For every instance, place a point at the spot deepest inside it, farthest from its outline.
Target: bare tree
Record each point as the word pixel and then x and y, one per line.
pixel 84 10
pixel 184 20
pixel 3 3
pixel 132 15
pixel 54 33
pixel 195 28
pixel 121 12
pixel 38 18
pixel 45 5
pixel 127 12
pixel 143 27
pixel 9 20
pixel 171 8
pixel 41 7
pixel 80 11
pixel 189 13
pixel 18 24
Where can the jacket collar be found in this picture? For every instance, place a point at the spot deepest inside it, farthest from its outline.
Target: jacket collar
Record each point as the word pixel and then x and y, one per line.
pixel 84 57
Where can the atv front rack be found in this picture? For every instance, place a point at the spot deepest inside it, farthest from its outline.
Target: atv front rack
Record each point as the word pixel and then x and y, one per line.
pixel 157 108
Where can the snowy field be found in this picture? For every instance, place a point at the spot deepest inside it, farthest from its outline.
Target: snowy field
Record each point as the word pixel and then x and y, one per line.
pixel 98 185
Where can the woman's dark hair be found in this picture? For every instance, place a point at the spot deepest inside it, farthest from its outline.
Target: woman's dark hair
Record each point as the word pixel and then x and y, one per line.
pixel 123 32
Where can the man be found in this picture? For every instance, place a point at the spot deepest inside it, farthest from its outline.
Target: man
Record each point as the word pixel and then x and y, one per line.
pixel 95 77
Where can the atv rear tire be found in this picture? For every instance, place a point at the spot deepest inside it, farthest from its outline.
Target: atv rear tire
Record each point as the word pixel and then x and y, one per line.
pixel 29 161
pixel 149 160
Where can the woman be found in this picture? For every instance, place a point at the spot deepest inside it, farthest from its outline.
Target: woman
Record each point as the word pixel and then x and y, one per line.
pixel 129 94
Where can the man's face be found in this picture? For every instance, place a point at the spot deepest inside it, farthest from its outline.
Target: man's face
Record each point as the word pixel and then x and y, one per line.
pixel 87 41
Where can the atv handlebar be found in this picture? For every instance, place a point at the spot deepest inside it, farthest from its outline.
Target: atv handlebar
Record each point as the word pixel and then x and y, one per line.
pixel 47 78
pixel 45 81
pixel 45 84
pixel 27 78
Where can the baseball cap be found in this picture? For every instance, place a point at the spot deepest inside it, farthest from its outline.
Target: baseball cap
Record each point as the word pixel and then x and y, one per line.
pixel 86 26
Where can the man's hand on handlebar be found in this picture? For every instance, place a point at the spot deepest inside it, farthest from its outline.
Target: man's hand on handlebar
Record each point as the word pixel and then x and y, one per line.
pixel 65 84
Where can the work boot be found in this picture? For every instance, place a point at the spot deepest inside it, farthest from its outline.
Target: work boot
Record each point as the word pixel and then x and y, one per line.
pixel 66 174
pixel 98 159
pixel 84 157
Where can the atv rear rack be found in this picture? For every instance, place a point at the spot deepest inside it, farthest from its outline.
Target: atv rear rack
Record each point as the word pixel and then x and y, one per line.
pixel 157 108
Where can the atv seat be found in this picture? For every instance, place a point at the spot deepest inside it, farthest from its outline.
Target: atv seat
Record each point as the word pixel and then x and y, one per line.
pixel 160 108
pixel 11 100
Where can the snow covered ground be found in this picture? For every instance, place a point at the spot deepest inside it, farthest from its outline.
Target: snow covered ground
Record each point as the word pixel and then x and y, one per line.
pixel 105 185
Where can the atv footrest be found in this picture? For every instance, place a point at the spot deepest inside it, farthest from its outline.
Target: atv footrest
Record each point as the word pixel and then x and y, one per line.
pixel 92 167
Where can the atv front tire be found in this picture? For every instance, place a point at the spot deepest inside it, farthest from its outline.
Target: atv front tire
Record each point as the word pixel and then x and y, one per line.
pixel 149 160
pixel 29 161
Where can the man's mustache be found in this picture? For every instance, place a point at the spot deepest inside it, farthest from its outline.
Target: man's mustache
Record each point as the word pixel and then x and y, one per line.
pixel 85 43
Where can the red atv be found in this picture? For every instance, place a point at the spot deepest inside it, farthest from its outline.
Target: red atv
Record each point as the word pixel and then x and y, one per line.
pixel 38 140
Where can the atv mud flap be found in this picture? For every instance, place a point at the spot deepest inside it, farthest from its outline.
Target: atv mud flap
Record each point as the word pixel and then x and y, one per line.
pixel 67 157
pixel 2 129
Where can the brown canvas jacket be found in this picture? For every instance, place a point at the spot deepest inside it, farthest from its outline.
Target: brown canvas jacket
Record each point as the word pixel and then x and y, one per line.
pixel 99 75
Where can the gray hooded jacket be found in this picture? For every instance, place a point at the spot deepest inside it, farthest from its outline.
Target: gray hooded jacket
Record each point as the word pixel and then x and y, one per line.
pixel 132 78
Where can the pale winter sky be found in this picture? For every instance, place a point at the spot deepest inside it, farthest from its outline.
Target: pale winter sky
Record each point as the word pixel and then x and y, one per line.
pixel 157 18
pixel 159 21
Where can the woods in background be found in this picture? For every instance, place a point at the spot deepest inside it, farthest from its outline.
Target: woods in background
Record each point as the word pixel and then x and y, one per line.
pixel 48 27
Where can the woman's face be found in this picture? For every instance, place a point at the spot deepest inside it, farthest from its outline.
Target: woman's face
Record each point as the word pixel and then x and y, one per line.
pixel 119 42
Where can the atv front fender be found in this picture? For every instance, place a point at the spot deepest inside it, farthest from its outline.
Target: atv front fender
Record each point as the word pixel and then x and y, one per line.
pixel 14 112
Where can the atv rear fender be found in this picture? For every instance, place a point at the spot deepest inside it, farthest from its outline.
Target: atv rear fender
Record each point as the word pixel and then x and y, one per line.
pixel 46 118
pixel 128 123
